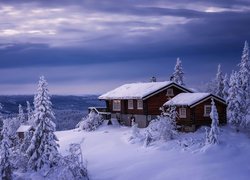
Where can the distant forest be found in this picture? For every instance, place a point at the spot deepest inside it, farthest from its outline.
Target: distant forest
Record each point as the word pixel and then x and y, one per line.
pixel 68 109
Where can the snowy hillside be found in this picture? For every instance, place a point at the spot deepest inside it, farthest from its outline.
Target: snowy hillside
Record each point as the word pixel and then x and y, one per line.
pixel 109 155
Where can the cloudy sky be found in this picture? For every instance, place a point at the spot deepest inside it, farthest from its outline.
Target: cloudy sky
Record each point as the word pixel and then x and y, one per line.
pixel 91 46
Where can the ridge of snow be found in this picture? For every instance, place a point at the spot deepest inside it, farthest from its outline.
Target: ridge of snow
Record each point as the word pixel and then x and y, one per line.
pixel 134 90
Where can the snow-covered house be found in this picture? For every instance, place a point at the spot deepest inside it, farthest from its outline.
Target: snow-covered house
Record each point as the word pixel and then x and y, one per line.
pixel 194 109
pixel 24 129
pixel 140 102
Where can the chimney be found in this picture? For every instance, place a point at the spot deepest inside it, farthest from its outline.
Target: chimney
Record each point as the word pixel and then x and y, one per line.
pixel 153 79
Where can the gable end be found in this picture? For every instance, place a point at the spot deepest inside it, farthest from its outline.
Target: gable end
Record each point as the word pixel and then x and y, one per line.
pixel 166 87
pixel 206 98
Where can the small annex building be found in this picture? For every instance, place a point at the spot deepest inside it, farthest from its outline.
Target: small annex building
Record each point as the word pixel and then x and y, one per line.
pixel 24 129
pixel 140 102
pixel 194 109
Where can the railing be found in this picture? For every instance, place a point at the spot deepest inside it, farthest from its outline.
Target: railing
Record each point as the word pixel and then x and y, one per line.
pixel 101 111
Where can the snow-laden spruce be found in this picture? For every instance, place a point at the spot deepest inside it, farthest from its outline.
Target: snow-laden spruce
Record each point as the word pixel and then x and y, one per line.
pixel 216 85
pixel 244 76
pixel 6 169
pixel 178 74
pixel 21 116
pixel 91 122
pixel 12 125
pixel 43 150
pixel 212 136
pixel 225 87
pixel 219 82
pixel 235 101
pixel 72 166
pixel 30 114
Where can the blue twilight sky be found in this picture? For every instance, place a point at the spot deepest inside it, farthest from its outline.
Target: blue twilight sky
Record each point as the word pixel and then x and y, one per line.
pixel 91 46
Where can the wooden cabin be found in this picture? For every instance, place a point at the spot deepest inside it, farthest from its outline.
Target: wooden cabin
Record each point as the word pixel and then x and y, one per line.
pixel 24 129
pixel 194 110
pixel 140 102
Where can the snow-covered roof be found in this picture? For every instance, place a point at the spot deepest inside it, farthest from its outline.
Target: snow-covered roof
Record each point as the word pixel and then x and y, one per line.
pixel 134 90
pixel 24 128
pixel 187 99
pixel 190 99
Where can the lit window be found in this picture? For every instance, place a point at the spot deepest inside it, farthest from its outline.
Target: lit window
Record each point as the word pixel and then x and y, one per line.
pixel 170 92
pixel 207 110
pixel 182 112
pixel 130 104
pixel 116 105
pixel 139 104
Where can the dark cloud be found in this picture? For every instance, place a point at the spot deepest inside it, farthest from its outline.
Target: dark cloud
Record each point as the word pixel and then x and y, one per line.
pixel 117 41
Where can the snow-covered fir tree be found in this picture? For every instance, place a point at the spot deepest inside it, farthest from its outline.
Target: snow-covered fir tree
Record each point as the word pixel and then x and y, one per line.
pixel 12 125
pixel 1 118
pixel 21 116
pixel 91 122
pixel 225 87
pixel 29 114
pixel 178 74
pixel 244 75
pixel 212 136
pixel 235 101
pixel 26 141
pixel 171 113
pixel 219 82
pixel 43 150
pixel 1 107
pixel 5 156
pixel 72 166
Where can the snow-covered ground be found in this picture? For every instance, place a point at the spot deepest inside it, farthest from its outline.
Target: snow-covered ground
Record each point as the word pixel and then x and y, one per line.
pixel 110 156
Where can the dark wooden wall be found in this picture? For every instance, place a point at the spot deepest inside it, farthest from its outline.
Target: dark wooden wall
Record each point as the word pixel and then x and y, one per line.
pixel 199 118
pixel 155 102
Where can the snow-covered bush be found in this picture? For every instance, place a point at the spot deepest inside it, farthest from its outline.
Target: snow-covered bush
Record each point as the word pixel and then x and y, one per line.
pixel 162 128
pixel 135 136
pixel 148 138
pixel 70 166
pixel 91 122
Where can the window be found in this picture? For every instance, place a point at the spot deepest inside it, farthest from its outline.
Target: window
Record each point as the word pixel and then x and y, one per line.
pixel 116 105
pixel 139 104
pixel 182 112
pixel 207 110
pixel 130 104
pixel 170 92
